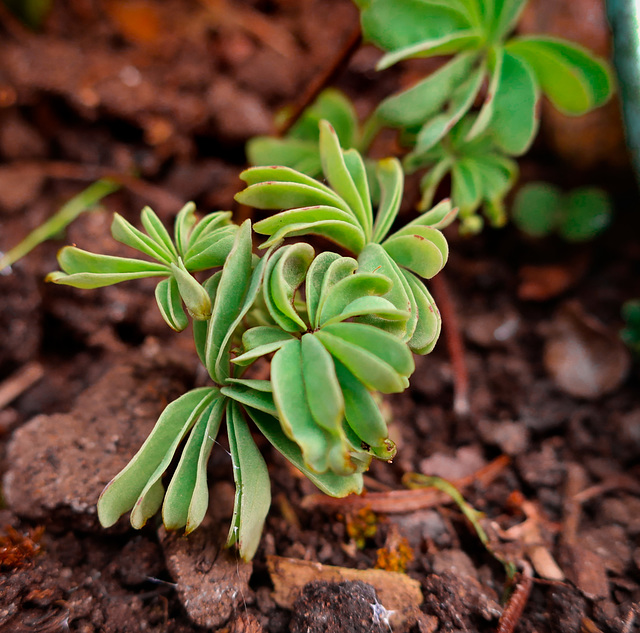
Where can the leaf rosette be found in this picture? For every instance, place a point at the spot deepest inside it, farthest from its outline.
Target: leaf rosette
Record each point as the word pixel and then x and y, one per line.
pixel 437 114
pixel 342 212
pixel 327 360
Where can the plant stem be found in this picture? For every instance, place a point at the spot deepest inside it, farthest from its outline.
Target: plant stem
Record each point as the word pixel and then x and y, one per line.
pixel 455 344
pixel 323 79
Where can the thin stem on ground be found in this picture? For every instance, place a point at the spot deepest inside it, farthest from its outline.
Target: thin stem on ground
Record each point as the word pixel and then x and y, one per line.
pixel 322 80
pixel 454 343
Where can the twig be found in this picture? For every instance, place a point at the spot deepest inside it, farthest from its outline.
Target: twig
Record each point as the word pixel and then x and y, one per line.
pixel 401 501
pixel 631 618
pixel 323 79
pixel 19 382
pixel 615 482
pixel 455 344
pixel 517 602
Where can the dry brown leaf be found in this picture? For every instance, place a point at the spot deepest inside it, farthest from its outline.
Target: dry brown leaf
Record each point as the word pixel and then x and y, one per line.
pixel 540 283
pixel 585 358
pixel 396 592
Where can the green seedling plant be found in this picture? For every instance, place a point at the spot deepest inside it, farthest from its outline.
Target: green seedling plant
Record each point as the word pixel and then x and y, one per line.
pixel 579 215
pixel 439 123
pixel 476 34
pixel 337 329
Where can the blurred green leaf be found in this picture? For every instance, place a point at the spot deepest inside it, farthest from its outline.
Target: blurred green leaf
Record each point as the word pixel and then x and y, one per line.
pixel 84 201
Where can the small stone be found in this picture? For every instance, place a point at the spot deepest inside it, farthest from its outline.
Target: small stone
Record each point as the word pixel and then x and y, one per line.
pixel 211 582
pixel 59 464
pixel 346 607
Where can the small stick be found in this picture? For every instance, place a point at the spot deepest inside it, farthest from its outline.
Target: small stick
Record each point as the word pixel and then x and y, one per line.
pixel 323 79
pixel 455 345
pixel 517 602
pixel 631 618
pixel 19 382
pixel 401 501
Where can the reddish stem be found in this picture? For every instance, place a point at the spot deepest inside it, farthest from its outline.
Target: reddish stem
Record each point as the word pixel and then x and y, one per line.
pixel 323 79
pixel 455 344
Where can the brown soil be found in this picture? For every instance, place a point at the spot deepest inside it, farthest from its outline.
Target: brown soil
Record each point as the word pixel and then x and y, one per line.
pixel 171 91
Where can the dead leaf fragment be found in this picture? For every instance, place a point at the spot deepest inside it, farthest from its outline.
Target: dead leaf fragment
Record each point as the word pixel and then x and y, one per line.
pixel 541 283
pixel 396 592
pixel 584 357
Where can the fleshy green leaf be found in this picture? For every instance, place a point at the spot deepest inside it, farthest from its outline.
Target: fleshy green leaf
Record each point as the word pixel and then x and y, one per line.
pixel 337 173
pixel 378 359
pixel 506 14
pixel 375 258
pixel 461 101
pixel 391 180
pixel 187 497
pixel 253 487
pixel 184 223
pixel 328 482
pixel 285 273
pixel 514 123
pixel 289 195
pixel 537 208
pixel 429 323
pixel 370 306
pixel 211 250
pixel 439 217
pixel 419 248
pixel 261 340
pixel 336 270
pixel 125 233
pixel 363 414
pixel 232 288
pixel 200 327
pixel 442 45
pixel 170 304
pixel 466 189
pixel 428 96
pixel 394 24
pixel 349 289
pixel 314 282
pixel 249 396
pixel 91 270
pixel 323 391
pixel 574 79
pixel 344 234
pixel 146 467
pixel 295 415
pixel 195 297
pixel 488 107
pixel 158 232
pixel 295 153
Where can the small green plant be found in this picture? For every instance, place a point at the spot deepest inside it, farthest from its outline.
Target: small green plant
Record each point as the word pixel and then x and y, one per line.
pixel 436 117
pixel 540 209
pixel 340 329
